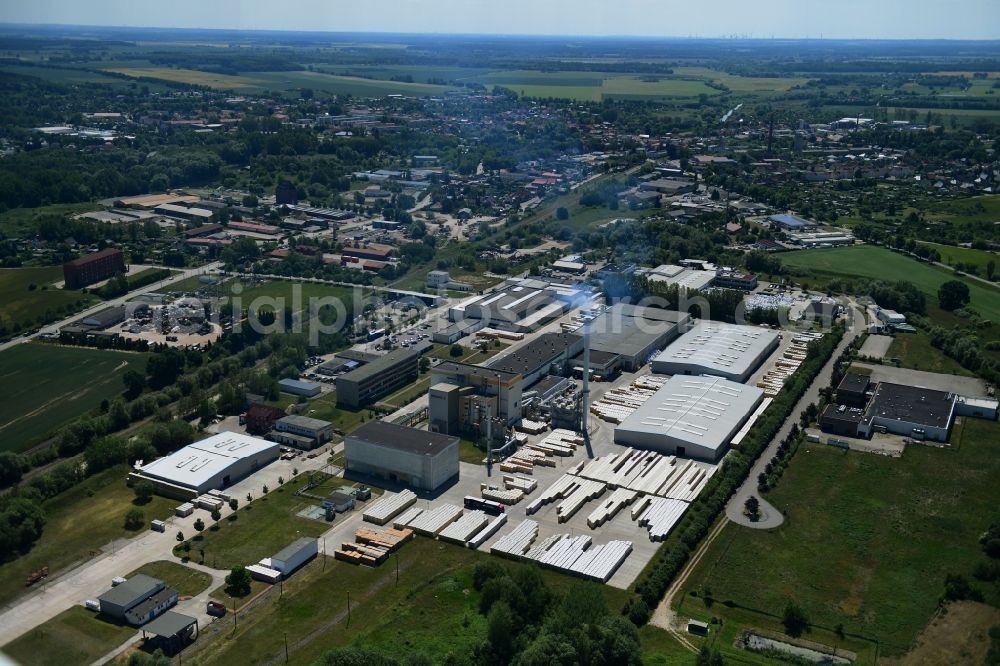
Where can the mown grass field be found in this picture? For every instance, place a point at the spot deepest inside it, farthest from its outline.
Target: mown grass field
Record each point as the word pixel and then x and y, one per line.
pixel 187 581
pixel 263 527
pixel 79 523
pixel 48 385
pixel 952 256
pixel 868 261
pixel 27 294
pixel 433 609
pixel 867 542
pixel 75 636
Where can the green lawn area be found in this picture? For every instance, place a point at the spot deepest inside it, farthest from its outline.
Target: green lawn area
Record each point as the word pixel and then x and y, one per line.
pixel 868 261
pixel 295 295
pixel 187 581
pixel 325 407
pixel 75 636
pixel 867 542
pixel 21 222
pixel 79 523
pixel 971 209
pixel 29 299
pixel 470 453
pixel 433 608
pixel 952 255
pixel 263 527
pixel 915 351
pixel 49 385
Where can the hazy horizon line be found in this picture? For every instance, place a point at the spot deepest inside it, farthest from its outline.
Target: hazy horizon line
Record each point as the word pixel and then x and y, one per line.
pixel 692 37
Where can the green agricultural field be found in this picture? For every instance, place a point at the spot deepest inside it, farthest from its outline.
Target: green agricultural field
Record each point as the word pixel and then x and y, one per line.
pixel 742 84
pixel 187 581
pixel 915 351
pixel 867 542
pixel 952 256
pixel 72 535
pixel 294 295
pixel 432 609
pixel 75 636
pixel 971 209
pixel 256 82
pixel 65 76
pixel 48 385
pixel 868 261
pixel 595 86
pixel 19 222
pixel 30 299
pixel 262 528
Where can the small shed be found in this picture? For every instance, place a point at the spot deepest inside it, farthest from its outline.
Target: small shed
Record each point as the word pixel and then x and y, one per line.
pixel 339 501
pixel 171 631
pixel 697 627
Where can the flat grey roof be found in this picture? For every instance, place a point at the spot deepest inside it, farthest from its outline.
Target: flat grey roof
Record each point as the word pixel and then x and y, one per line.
pixel 469 370
pixel 305 421
pixel 899 402
pixel 136 588
pixel 403 438
pixel 629 329
pixel 535 354
pixel 292 548
pixel 169 624
pixel 381 364
pixel 705 411
pixel 153 601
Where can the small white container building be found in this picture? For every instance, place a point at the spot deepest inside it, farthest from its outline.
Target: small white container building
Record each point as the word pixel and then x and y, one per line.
pixel 295 555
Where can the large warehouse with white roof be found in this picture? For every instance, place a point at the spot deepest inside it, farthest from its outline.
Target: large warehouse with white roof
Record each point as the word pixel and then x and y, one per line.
pixel 210 464
pixel 694 417
pixel 713 348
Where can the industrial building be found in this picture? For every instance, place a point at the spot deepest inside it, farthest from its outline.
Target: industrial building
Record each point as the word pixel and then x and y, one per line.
pixel 298 387
pixel 690 279
pixel 211 464
pixel 415 458
pixel 547 354
pixel 94 267
pixel 916 412
pixel 730 351
pixel 789 222
pixel 315 432
pixel 380 377
pixel 454 332
pixel 462 395
pixel 138 600
pixel 520 304
pixel 260 418
pixel 634 332
pixel 693 417
pixel 853 390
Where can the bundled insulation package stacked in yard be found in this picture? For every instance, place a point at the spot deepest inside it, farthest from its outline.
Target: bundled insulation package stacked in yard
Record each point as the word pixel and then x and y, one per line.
pixel 611 506
pixel 388 507
pixel 584 491
pixel 465 527
pixel 430 523
pixel 661 515
pixel 480 537
pixel 518 540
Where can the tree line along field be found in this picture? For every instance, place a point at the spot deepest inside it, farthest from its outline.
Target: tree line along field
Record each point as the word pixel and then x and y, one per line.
pixel 866 543
pixel 877 263
pixel 28 293
pixel 46 386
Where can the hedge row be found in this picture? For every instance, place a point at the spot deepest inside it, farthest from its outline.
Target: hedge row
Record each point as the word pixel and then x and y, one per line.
pixel 734 470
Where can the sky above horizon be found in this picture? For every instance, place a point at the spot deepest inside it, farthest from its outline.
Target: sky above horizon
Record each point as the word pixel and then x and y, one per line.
pixel 844 19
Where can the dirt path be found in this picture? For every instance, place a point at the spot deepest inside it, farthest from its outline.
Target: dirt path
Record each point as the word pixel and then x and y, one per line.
pixel 664 617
